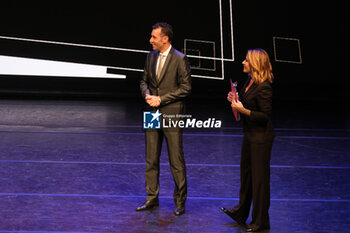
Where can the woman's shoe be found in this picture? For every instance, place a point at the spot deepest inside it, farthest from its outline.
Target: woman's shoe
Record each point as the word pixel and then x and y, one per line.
pixel 233 215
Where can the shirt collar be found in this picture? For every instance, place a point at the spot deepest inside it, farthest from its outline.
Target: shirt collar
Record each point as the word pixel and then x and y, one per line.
pixel 167 51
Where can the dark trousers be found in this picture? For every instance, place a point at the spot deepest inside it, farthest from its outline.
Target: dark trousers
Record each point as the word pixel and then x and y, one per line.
pixel 154 140
pixel 255 183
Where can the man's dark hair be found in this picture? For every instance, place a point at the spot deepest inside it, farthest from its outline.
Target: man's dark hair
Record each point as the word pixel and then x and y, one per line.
pixel 166 29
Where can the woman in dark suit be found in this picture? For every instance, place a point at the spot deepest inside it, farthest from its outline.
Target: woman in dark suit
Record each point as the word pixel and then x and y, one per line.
pixel 255 107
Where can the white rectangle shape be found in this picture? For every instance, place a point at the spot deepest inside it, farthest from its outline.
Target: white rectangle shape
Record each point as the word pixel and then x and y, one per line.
pixel 10 65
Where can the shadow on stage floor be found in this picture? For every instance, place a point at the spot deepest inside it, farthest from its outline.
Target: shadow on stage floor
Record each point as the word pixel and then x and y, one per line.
pixel 78 166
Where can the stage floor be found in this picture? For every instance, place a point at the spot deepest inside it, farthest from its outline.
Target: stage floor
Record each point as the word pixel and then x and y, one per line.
pixel 78 166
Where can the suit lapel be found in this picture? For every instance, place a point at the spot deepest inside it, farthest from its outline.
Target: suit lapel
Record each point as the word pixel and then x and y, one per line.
pixel 165 66
pixel 154 64
pixel 242 92
pixel 251 89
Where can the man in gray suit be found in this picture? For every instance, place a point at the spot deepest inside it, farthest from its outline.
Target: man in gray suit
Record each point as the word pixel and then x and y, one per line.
pixel 165 84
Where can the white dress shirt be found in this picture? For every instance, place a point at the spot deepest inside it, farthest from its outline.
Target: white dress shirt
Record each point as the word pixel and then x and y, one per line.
pixel 165 55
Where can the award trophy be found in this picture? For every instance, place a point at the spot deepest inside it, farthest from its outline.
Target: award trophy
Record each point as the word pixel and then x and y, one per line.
pixel 235 98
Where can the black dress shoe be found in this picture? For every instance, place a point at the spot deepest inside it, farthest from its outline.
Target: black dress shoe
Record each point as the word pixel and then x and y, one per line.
pixel 253 228
pixel 233 215
pixel 147 205
pixel 179 211
pixel 250 229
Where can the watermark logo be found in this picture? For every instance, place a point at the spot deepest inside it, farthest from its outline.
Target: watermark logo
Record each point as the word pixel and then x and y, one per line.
pixel 151 120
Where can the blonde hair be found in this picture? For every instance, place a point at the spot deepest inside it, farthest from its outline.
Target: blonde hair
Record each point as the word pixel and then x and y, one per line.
pixel 260 66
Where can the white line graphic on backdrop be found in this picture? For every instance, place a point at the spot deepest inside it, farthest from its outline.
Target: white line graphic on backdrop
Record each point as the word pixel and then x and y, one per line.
pixel 222 59
pixel 37 67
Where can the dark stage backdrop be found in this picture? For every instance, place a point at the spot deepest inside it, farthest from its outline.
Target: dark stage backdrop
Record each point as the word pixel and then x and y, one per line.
pixel 300 38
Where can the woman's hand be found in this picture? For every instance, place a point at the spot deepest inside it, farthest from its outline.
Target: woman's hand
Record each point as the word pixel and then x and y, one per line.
pixel 238 106
pixel 230 96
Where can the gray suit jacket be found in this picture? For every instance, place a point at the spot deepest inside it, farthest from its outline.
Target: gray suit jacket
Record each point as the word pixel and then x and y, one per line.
pixel 174 84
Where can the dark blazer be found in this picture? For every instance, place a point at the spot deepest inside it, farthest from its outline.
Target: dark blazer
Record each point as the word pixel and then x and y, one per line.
pixel 258 126
pixel 174 84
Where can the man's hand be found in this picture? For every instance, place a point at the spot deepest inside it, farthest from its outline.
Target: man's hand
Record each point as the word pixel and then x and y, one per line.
pixel 152 100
